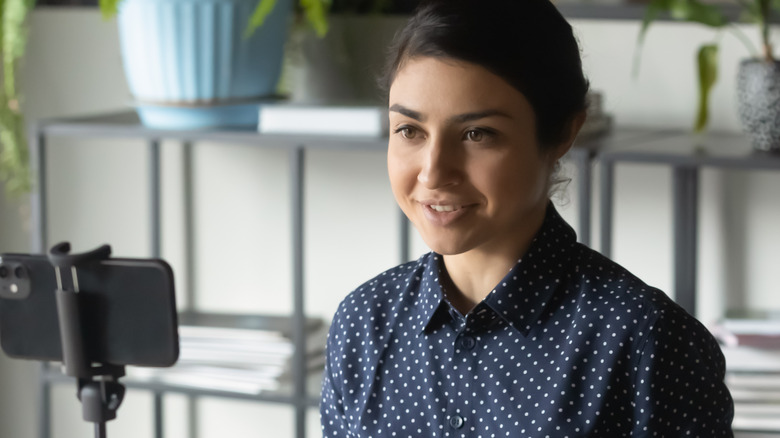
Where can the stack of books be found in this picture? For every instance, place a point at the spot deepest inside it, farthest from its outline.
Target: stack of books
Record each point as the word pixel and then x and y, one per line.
pixel 750 341
pixel 350 119
pixel 240 354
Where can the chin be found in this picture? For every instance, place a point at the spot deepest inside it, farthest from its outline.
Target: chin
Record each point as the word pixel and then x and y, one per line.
pixel 445 247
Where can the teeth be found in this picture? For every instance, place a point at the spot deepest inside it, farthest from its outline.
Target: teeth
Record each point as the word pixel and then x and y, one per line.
pixel 443 207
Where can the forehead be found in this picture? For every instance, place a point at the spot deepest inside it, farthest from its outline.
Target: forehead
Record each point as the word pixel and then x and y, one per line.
pixel 451 85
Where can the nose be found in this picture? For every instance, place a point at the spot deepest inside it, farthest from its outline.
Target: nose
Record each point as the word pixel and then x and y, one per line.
pixel 439 167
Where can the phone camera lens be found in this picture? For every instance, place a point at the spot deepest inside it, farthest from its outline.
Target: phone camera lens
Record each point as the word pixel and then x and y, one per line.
pixel 19 272
pixel 3 272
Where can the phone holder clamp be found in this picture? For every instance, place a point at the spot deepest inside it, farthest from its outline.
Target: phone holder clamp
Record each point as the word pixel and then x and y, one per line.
pixel 99 391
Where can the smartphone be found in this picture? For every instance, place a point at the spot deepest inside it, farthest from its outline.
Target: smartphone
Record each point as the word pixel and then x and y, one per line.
pixel 128 309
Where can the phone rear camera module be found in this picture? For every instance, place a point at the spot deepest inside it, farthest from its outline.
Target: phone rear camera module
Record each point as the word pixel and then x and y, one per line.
pixel 15 281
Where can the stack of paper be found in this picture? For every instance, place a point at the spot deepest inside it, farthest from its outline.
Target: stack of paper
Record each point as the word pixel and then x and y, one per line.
pixel 751 344
pixel 238 359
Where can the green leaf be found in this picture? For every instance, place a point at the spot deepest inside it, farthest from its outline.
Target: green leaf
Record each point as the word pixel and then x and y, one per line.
pixel 654 8
pixel 264 7
pixel 651 13
pixel 109 8
pixel 708 75
pixel 696 12
pixel 316 14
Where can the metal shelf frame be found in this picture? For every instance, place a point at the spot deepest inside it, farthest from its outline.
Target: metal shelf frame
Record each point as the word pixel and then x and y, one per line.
pixel 126 125
pixel 635 10
pixel 686 154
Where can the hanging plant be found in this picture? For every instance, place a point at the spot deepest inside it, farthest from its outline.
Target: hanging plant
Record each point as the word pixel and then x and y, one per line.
pixel 14 157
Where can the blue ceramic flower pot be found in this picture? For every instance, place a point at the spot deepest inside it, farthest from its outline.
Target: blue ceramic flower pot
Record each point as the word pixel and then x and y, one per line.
pixel 189 65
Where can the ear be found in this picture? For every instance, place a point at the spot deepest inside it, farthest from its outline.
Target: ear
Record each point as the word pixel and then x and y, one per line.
pixel 574 128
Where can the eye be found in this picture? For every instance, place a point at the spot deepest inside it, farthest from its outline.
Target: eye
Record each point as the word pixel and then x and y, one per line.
pixel 475 135
pixel 407 132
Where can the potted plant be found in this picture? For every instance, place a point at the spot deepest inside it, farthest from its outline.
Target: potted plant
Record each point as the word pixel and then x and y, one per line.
pixel 14 159
pixel 343 65
pixel 758 84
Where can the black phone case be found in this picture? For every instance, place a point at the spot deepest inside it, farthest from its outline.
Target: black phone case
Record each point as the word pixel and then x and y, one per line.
pixel 129 310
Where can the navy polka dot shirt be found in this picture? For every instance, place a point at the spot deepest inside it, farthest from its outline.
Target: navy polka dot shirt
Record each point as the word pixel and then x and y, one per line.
pixel 568 344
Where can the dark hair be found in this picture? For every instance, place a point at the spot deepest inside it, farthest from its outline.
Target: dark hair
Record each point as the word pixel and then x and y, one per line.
pixel 528 43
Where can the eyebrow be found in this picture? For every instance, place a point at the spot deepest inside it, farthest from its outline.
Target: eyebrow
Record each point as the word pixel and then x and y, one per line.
pixel 469 117
pixel 460 118
pixel 412 114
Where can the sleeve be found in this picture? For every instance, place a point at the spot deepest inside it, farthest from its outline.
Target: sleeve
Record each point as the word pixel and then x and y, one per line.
pixel 679 386
pixel 332 417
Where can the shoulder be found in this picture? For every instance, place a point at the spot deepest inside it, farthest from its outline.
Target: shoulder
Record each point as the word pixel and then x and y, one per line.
pixel 602 279
pixel 366 318
pixel 385 288
pixel 658 325
pixel 616 290
pixel 378 302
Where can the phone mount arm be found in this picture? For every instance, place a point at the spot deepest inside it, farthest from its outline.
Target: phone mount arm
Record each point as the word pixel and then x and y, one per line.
pixel 98 387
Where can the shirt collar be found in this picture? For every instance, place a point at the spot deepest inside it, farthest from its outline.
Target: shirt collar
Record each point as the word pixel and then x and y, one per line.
pixel 523 294
pixel 431 295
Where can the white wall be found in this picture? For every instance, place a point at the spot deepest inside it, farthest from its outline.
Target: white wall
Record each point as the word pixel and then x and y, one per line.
pixel 99 186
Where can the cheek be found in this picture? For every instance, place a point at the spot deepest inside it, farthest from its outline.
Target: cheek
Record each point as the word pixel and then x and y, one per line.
pixel 400 172
pixel 512 181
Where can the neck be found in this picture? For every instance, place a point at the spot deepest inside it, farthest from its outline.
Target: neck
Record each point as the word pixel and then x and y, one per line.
pixel 472 278
pixel 475 273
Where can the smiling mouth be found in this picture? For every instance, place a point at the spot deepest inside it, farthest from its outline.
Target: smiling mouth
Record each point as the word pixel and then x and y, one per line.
pixel 444 208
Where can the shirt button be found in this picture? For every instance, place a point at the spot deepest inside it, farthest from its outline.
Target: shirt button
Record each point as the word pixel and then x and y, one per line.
pixel 456 421
pixel 467 342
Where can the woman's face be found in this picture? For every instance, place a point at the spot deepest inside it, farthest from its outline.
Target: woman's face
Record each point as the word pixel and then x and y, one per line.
pixel 463 159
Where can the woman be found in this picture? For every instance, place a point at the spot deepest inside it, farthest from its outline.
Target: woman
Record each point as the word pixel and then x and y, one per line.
pixel 509 327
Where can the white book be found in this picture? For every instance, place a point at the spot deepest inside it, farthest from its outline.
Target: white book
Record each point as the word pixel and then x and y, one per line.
pixel 221 334
pixel 745 423
pixel 755 322
pixel 762 381
pixel 345 120
pixel 753 395
pixel 771 410
pixel 743 359
pixel 206 379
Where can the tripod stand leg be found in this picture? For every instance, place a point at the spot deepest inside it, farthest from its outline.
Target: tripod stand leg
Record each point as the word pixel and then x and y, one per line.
pixel 100 430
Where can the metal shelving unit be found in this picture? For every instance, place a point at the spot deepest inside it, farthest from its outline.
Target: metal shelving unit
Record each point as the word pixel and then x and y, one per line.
pixel 302 394
pixel 686 155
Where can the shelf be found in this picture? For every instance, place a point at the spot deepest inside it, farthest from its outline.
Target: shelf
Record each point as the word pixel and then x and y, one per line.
pixel 282 396
pixel 725 150
pixel 632 10
pixel 125 124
